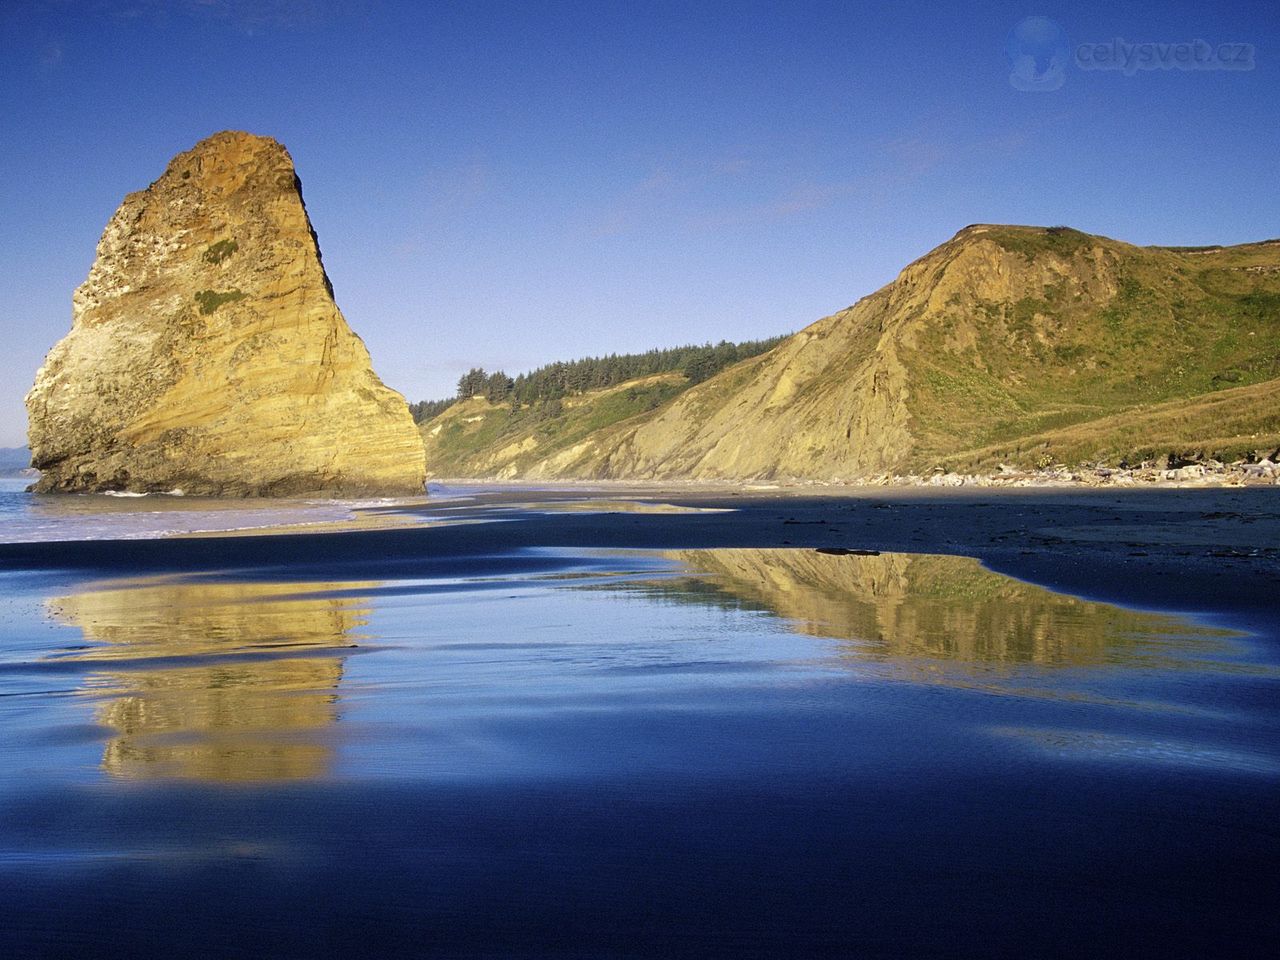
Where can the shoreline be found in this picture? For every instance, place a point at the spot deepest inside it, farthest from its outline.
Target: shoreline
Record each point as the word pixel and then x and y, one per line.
pixel 525 672
pixel 1213 550
pixel 1211 474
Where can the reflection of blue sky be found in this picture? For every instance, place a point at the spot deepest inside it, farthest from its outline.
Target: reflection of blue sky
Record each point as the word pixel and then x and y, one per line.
pixel 616 177
pixel 587 743
pixel 1110 747
pixel 523 668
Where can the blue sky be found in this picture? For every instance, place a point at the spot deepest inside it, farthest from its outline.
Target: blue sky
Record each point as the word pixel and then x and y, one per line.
pixel 504 185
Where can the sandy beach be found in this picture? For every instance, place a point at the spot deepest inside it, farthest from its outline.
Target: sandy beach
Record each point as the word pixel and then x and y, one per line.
pixel 618 721
pixel 1203 550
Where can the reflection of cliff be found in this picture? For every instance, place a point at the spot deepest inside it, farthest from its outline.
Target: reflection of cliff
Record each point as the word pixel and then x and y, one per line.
pixel 904 605
pixel 224 681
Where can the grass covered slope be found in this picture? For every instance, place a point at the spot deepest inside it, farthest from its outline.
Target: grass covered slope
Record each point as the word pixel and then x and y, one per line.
pixel 1226 425
pixel 1014 344
pixel 1097 349
pixel 477 438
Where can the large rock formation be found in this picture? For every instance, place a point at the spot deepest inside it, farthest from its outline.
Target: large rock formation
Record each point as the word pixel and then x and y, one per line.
pixel 982 351
pixel 207 354
pixel 1007 344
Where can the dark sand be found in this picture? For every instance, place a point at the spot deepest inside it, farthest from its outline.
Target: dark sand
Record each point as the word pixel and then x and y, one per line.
pixel 452 758
pixel 1204 550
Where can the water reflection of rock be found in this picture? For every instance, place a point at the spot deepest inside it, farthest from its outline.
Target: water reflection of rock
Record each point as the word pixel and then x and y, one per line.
pixel 217 681
pixel 924 606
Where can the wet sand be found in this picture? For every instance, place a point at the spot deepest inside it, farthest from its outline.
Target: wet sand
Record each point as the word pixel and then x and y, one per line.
pixel 1211 550
pixel 577 724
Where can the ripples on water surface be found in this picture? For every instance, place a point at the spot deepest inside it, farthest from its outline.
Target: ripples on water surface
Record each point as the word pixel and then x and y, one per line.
pixel 698 753
pixel 28 517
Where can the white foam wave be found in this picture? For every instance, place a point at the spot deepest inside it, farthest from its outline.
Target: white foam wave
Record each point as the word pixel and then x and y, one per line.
pixel 25 518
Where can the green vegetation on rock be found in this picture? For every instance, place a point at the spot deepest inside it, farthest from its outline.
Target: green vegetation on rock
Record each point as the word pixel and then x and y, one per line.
pixel 476 437
pixel 696 362
pixel 220 251
pixel 498 423
pixel 1032 242
pixel 211 300
pixel 1143 330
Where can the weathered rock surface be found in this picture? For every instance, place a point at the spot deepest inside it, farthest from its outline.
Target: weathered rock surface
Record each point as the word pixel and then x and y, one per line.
pixel 1007 344
pixel 207 353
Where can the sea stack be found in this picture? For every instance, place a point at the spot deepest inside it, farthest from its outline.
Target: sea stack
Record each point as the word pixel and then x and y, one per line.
pixel 207 353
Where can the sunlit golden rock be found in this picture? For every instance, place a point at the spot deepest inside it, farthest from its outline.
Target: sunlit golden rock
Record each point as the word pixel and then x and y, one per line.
pixel 207 353
pixel 224 681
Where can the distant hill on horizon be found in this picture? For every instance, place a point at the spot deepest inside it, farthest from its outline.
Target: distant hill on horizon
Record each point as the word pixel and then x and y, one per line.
pixel 1006 344
pixel 14 460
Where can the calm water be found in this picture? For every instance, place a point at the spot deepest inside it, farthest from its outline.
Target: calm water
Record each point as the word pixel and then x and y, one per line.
pixel 26 517
pixel 695 753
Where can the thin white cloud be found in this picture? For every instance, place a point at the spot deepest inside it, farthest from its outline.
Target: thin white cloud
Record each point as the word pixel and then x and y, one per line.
pixel 668 184
pixel 250 16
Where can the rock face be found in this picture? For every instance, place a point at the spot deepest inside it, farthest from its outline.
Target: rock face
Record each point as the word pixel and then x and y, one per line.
pixel 1007 344
pixel 207 354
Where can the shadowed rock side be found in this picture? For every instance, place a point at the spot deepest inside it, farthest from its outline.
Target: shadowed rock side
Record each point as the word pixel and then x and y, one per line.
pixel 1007 344
pixel 908 607
pixel 207 353
pixel 227 681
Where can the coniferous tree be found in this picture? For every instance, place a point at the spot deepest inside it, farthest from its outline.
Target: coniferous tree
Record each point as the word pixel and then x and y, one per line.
pixel 697 362
pixel 471 383
pixel 497 387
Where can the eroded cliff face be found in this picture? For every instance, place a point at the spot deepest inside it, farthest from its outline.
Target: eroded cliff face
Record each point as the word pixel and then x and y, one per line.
pixel 207 353
pixel 973 356
pixel 836 401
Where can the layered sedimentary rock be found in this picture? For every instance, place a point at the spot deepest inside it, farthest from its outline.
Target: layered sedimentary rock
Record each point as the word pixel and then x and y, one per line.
pixel 1006 345
pixel 1020 345
pixel 207 353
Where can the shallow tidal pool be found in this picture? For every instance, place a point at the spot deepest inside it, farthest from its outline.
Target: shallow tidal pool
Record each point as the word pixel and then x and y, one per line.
pixel 739 752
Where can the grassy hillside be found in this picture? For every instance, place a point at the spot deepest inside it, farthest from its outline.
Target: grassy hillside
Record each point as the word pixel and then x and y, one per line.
pixel 14 461
pixel 1022 345
pixel 1116 341
pixel 1227 425
pixel 477 438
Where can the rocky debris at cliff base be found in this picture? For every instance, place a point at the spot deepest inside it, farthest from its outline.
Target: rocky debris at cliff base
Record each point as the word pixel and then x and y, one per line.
pixel 1210 473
